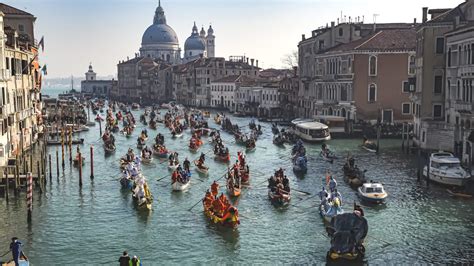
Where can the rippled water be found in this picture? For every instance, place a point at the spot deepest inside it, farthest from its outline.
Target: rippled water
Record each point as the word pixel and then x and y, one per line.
pixel 96 223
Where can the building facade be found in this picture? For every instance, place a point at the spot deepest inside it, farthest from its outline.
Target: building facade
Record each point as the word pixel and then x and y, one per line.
pixel 20 83
pixel 93 87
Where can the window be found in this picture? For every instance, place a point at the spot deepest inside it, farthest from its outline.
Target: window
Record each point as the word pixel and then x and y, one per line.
pixel 21 27
pixel 341 32
pixel 406 86
pixel 438 84
pixel 449 57
pixel 373 65
pixel 372 97
pixel 437 111
pixel 321 44
pixel 440 45
pixel 411 65
pixel 472 53
pixel 406 108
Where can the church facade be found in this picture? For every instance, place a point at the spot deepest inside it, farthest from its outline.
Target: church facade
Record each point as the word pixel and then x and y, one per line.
pixel 161 42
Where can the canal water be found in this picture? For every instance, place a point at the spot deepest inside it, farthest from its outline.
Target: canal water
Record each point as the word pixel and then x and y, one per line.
pixel 93 225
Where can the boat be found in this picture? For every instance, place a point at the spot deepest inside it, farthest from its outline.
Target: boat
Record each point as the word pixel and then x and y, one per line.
pixel 229 217
pixel 329 206
pixel 206 114
pixel 310 130
pixel 234 191
pixel 66 142
pixel 161 152
pixel 279 199
pixel 372 192
pixel 353 175
pixel 337 124
pixel 146 160
pixel 173 166
pixel 143 203
pixel 327 155
pixel 278 140
pixel 223 157
pixel 444 168
pixel 23 261
pixel 126 182
pixel 458 194
pixel 76 161
pixel 176 135
pixel 177 185
pixel 218 119
pixel 201 169
pixel 135 106
pixel 300 165
pixel 347 232
pixel 109 148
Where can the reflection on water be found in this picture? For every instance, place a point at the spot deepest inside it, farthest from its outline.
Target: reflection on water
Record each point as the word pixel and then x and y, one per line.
pixel 418 223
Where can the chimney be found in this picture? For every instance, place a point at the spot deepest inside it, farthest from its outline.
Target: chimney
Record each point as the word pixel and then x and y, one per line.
pixel 303 37
pixel 247 60
pixel 252 61
pixel 425 15
pixel 256 63
pixel 337 21
pixel 414 21
pixel 332 24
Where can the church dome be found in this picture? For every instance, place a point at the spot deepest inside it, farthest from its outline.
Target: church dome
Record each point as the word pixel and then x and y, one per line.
pixel 159 34
pixel 195 42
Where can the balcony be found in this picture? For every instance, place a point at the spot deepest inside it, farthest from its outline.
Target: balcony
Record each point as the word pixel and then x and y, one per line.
pixel 5 74
pixel 461 106
pixel 466 71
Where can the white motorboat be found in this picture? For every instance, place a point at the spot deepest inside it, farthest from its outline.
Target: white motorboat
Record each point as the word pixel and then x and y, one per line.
pixel 372 192
pixel 311 130
pixel 446 169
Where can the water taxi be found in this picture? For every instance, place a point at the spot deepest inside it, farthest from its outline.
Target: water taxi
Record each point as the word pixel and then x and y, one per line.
pixel 311 130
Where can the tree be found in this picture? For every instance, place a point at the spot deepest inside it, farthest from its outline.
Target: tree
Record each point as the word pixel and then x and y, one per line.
pixel 290 60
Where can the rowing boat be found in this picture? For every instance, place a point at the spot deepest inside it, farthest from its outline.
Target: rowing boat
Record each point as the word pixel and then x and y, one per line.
pixel 201 169
pixel 178 186
pixel 280 199
pixel 146 160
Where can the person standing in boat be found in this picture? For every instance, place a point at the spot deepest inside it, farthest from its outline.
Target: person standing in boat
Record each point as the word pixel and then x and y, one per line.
pixel 135 261
pixel 186 165
pixel 336 195
pixel 332 184
pixel 15 247
pixel 124 260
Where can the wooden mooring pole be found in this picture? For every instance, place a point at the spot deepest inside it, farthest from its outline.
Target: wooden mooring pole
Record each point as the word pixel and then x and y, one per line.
pixel 6 184
pixel 92 162
pixel 62 147
pixel 38 176
pixel 50 170
pixel 80 168
pixel 403 137
pixel 57 163
pixel 29 194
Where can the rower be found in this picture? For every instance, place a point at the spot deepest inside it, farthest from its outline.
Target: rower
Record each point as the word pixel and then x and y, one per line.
pixel 337 195
pixel 186 164
pixel 214 189
pixel 332 184
pixel 202 158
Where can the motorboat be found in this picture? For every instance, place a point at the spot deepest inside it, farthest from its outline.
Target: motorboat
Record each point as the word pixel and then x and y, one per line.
pixel 372 192
pixel 311 130
pixel 446 169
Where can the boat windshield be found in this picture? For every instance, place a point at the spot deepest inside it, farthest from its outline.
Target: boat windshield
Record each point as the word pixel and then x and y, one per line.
pixel 445 166
pixel 374 190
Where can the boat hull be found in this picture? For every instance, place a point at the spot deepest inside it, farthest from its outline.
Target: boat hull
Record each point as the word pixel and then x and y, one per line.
pixel 446 180
pixel 177 186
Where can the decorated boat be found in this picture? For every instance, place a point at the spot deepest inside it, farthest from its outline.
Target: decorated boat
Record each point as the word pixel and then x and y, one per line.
pixel 142 197
pixel 347 232
pixel 225 215
pixel 330 206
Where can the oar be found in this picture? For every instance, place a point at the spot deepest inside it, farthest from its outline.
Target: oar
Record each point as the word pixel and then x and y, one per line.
pixel 5 253
pixel 192 207
pixel 301 191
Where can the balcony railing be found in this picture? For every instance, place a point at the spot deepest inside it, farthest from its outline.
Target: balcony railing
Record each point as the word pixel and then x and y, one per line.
pixel 463 106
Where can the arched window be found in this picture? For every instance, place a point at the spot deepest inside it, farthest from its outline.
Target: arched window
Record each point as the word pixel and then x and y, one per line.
pixel 168 57
pixel 372 95
pixel 343 112
pixel 372 65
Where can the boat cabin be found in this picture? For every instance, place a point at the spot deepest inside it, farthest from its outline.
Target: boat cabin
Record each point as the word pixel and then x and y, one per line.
pixel 310 130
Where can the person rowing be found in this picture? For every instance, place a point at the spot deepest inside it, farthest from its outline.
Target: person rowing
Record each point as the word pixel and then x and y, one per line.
pixel 186 164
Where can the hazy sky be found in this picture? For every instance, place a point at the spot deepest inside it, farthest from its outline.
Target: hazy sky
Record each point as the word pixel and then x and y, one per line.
pixel 103 32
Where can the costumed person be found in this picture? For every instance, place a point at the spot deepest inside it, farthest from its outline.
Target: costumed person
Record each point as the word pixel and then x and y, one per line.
pixel 15 248
pixel 332 184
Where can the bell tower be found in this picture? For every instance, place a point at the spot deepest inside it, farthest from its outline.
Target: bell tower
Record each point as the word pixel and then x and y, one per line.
pixel 210 43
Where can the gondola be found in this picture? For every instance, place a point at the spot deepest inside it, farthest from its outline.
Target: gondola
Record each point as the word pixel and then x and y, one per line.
pixel 109 148
pixel 279 199
pixel 144 203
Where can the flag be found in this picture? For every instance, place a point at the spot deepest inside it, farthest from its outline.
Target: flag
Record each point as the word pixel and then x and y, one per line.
pixel 44 70
pixel 41 44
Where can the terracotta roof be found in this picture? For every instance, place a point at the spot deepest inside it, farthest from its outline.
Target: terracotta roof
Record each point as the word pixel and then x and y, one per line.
pixel 383 40
pixel 9 10
pixel 450 14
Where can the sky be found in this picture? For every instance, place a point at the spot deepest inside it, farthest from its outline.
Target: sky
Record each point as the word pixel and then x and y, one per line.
pixel 77 32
